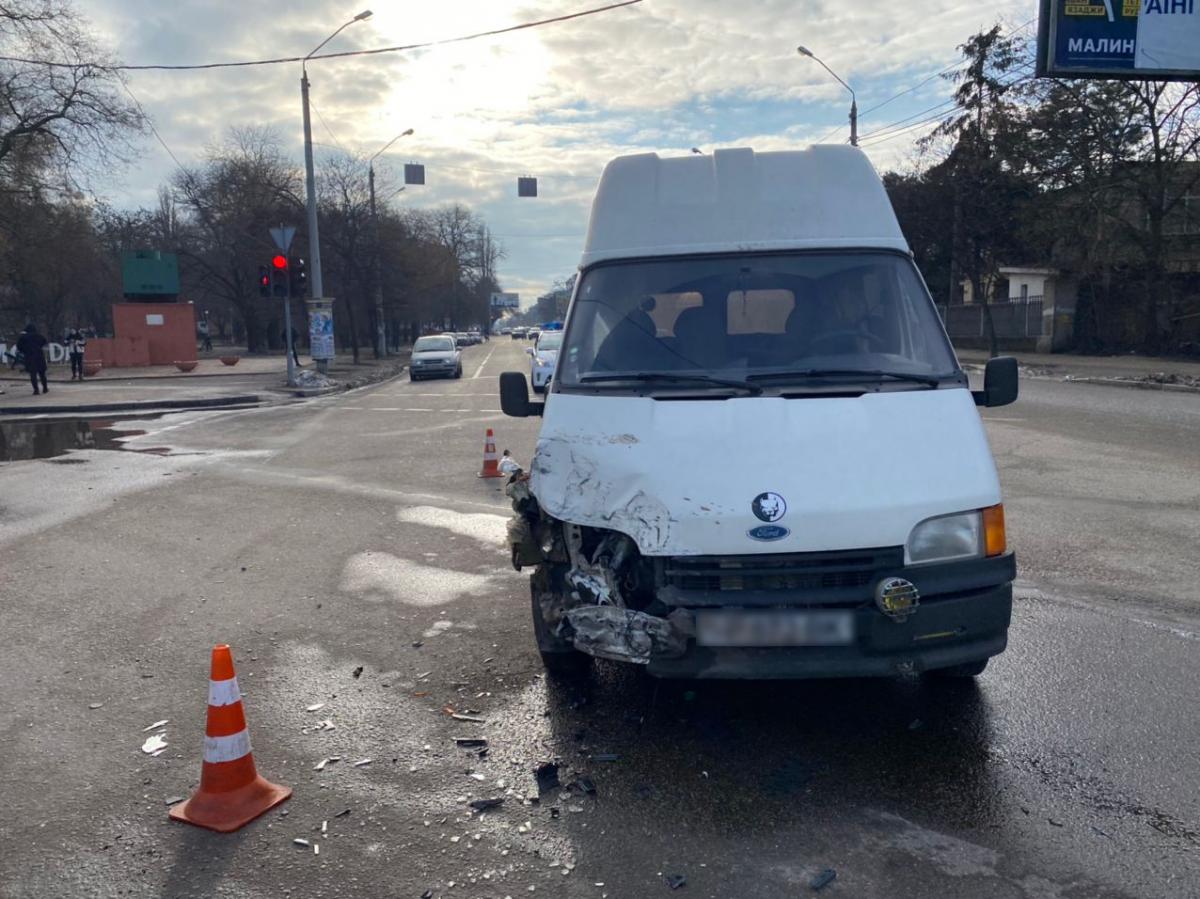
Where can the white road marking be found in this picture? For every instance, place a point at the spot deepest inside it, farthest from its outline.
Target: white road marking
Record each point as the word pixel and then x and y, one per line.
pixel 475 377
pixel 384 409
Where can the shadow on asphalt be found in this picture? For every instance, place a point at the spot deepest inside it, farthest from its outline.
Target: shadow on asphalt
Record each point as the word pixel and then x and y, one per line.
pixel 745 754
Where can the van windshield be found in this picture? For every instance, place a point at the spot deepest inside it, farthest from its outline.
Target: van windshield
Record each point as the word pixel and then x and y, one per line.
pixel 769 318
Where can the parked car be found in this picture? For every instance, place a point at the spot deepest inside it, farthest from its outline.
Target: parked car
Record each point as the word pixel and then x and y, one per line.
pixel 759 456
pixel 435 356
pixel 518 334
pixel 542 357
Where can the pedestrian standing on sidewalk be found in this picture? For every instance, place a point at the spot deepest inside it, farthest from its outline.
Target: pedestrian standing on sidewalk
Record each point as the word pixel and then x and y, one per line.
pixel 76 343
pixel 31 345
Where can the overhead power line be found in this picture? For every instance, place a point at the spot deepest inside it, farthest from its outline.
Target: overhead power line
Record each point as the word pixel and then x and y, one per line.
pixel 345 53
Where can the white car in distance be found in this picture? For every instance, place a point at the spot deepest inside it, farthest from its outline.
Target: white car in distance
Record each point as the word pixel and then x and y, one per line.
pixel 543 356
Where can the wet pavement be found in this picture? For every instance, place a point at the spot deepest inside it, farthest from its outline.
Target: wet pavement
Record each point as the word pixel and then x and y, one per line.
pixel 352 532
pixel 55 438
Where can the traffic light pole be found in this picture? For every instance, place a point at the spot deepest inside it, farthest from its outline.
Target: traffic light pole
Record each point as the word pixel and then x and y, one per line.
pixel 317 289
pixel 287 322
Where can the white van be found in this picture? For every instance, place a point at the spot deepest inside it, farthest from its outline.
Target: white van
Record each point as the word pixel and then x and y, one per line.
pixel 761 457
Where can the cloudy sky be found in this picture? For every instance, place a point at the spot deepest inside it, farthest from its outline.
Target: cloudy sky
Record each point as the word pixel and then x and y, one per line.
pixel 555 102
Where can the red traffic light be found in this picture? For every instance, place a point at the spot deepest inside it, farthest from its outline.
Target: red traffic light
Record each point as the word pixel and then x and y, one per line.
pixel 280 262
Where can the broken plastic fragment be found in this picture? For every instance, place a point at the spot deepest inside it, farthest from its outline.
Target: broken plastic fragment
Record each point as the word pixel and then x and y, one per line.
pixel 300 841
pixel 320 766
pixel 361 762
pixel 470 742
pixel 822 880
pixel 547 777
pixel 675 881
pixel 482 805
pixel 157 743
pixel 156 725
pixel 315 707
pixel 95 705
pixel 473 719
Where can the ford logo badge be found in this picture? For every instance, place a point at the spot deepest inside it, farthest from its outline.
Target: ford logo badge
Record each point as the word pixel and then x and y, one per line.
pixel 768 532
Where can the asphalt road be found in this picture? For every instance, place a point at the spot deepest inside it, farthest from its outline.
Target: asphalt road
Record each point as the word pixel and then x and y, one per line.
pixel 351 531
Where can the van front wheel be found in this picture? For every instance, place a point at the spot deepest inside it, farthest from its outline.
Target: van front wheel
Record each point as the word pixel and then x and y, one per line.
pixel 966 669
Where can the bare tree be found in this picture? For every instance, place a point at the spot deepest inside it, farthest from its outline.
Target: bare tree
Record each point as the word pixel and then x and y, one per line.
pixel 244 187
pixel 65 107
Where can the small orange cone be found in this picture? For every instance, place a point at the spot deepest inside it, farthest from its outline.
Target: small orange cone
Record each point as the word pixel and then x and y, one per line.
pixel 491 462
pixel 231 794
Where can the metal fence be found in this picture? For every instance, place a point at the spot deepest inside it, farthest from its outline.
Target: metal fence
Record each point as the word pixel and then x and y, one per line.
pixel 1011 320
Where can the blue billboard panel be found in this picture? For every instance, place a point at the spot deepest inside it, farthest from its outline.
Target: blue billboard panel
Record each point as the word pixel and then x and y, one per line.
pixel 1151 39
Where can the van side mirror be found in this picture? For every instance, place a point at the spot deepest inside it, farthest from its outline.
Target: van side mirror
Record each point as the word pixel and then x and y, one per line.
pixel 514 396
pixel 999 383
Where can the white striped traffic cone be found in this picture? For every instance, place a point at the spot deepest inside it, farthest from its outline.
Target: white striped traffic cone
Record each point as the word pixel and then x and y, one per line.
pixel 231 794
pixel 491 462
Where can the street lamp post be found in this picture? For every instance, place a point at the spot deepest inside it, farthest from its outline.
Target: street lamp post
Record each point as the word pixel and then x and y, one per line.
pixel 317 287
pixel 804 51
pixel 380 329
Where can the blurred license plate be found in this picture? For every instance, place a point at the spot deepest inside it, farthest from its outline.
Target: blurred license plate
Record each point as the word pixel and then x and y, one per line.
pixel 774 628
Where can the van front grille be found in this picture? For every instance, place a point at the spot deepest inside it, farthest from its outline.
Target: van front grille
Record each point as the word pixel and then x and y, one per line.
pixel 813 573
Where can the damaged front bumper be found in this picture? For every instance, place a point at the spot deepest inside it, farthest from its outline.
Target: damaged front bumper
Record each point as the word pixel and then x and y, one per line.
pixel 595 593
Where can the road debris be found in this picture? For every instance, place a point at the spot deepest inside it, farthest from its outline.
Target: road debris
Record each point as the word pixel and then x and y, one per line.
pixel 472 719
pixel 95 705
pixel 156 725
pixel 155 744
pixel 357 672
pixel 675 881
pixel 1056 823
pixel 362 762
pixel 174 800
pixel 470 742
pixel 300 841
pixel 324 827
pixel 482 805
pixel 315 707
pixel 585 785
pixel 547 777
pixel 343 813
pixel 823 879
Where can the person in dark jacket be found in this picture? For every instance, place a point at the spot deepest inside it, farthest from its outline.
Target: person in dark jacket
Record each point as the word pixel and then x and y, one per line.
pixel 76 345
pixel 31 345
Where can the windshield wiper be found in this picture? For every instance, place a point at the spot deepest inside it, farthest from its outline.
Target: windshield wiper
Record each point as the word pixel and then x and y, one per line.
pixel 664 377
pixel 930 380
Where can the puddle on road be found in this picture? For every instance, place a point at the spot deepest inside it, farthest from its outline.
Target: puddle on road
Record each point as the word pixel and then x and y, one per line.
pixel 53 439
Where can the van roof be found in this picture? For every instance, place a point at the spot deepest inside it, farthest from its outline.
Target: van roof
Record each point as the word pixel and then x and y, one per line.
pixel 737 200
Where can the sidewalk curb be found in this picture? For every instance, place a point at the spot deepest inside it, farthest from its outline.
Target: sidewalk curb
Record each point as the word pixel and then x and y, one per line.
pixel 157 405
pixel 1136 385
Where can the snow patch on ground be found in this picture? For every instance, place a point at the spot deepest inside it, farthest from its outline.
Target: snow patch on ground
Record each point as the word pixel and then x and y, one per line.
pixel 379 576
pixel 487 529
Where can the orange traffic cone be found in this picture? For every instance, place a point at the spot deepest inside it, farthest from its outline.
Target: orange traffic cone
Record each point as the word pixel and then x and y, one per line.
pixel 491 462
pixel 232 793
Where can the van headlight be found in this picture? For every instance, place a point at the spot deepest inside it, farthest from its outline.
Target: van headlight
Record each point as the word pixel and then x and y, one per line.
pixel 964 535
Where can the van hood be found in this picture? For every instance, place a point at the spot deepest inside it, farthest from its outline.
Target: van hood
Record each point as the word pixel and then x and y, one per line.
pixel 762 474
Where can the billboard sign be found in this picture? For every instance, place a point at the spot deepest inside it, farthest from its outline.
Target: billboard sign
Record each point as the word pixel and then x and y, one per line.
pixel 149 273
pixel 506 301
pixel 1157 40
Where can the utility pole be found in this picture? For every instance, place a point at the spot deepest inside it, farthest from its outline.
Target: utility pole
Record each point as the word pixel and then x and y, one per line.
pixel 317 287
pixel 804 51
pixel 380 327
